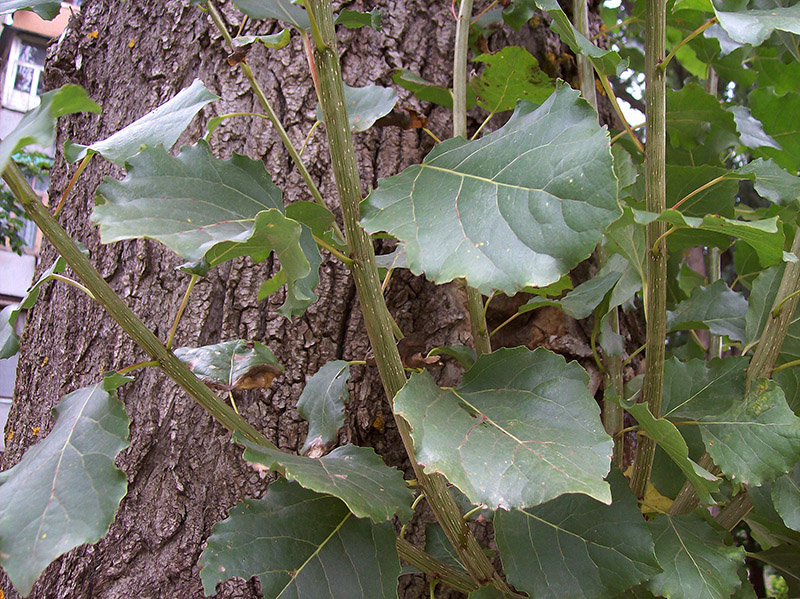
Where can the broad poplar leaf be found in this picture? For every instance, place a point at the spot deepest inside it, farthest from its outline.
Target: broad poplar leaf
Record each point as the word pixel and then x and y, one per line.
pixel 751 131
pixel 772 182
pixel 754 440
pixel 283 10
pixel 437 545
pixel 668 438
pixel 786 560
pixel 715 308
pixel 65 490
pixel 694 115
pixel 510 75
pixel 39 125
pixel 322 404
pixel 519 207
pixel 232 365
pixel 521 429
pixel 786 498
pixel 581 301
pixel 162 126
pixel 755 26
pixel 301 544
pixel 356 475
pixel 576 547
pixel 204 208
pixel 47 9
pixel 697 564
pixel 762 297
pixel 365 105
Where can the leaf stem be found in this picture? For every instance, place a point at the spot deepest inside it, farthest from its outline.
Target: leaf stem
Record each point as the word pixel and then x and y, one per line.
pixel 686 40
pixel 615 103
pixel 137 366
pixel 483 124
pixel 81 167
pixel 73 283
pixel 181 310
pixel 699 189
pixel 120 312
pixel 655 181
pixel 605 30
pixel 324 244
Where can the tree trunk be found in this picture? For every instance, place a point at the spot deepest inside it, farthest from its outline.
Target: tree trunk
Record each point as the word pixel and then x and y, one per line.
pixel 183 472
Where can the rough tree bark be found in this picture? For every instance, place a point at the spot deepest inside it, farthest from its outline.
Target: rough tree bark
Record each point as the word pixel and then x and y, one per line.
pixel 183 472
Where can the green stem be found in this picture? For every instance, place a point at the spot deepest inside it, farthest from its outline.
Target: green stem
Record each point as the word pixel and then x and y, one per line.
pixel 181 310
pixel 123 315
pixel 655 182
pixel 480 332
pixel 580 15
pixel 686 40
pixel 273 118
pixel 433 567
pixel 377 319
pixel 136 366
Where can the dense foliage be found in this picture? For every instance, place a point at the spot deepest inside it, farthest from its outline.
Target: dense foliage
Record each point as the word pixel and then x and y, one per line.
pixel 514 210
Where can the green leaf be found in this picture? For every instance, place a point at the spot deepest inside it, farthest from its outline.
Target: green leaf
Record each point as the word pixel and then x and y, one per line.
pixel 762 297
pixel 322 404
pixel 697 564
pixel 581 301
pixel 365 105
pixel 715 308
pixel 780 116
pixel 39 125
pixel 519 207
pixel 786 560
pixel 786 498
pixel 694 115
pixel 521 429
pixel 44 8
pixel 276 41
pixel 202 207
pixel 463 353
pixel 755 26
pixel 424 90
pixel 9 341
pixel 356 475
pixel 718 199
pixel 437 545
pixel 754 440
pixel 318 218
pixel 751 131
pixel 162 126
pixel 666 435
pixel 772 182
pixel 302 544
pixel 520 11
pixel 627 238
pixel 232 365
pixel 764 236
pixel 300 289
pixel 353 19
pixel 510 75
pixel 284 10
pixel 65 490
pixel 601 549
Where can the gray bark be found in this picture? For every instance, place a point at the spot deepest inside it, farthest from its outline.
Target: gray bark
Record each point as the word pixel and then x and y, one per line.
pixel 183 472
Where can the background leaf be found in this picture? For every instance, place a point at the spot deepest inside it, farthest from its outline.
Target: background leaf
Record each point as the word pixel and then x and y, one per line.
pixel 162 126
pixel 755 26
pixel 521 429
pixel 302 544
pixel 322 404
pixel 425 90
pixel 65 490
pixel 786 498
pixel 284 10
pixel 353 19
pixel 44 8
pixel 232 365
pixel 574 546
pixel 356 475
pixel 510 75
pixel 365 105
pixel 713 307
pixel 543 184
pixel 38 125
